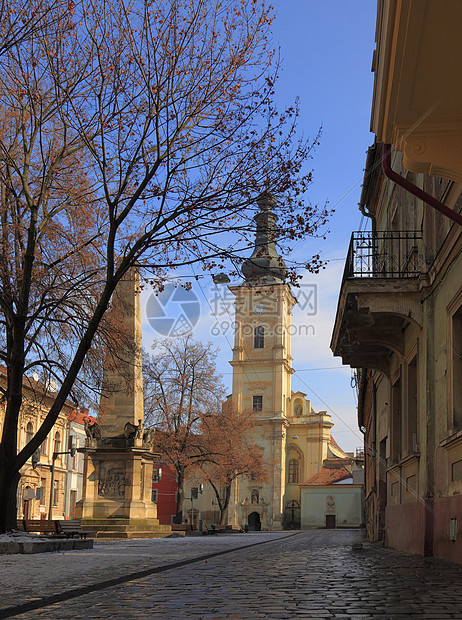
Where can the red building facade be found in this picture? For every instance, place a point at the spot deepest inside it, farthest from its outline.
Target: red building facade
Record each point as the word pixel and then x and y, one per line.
pixel 164 488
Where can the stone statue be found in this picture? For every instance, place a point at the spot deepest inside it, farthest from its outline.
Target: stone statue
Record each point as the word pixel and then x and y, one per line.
pixel 92 431
pixel 130 430
pixel 148 436
pixel 139 430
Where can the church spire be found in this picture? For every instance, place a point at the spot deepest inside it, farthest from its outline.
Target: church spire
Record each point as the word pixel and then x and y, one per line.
pixel 265 266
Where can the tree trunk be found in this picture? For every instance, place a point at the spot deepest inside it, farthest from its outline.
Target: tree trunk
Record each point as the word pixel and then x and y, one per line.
pixel 224 505
pixel 8 499
pixel 180 496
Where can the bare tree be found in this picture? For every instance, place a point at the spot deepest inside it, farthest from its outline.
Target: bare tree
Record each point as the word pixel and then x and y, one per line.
pixel 134 131
pixel 22 19
pixel 182 389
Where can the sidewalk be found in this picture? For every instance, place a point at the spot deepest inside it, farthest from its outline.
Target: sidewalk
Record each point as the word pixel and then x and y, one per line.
pixel 26 578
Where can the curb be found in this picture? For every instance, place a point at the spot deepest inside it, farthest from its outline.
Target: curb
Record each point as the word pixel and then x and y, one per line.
pixel 45 546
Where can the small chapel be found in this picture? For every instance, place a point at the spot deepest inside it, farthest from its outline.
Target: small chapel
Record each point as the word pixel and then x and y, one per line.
pixel 294 438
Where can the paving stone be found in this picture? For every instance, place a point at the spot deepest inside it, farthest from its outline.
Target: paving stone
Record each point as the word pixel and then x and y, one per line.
pixel 308 575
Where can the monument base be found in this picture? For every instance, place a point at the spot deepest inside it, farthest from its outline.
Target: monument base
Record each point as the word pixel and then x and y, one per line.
pixel 125 528
pixel 117 491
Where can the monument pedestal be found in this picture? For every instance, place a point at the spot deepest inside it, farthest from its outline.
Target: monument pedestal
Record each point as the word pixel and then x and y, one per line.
pixel 117 490
pixel 117 481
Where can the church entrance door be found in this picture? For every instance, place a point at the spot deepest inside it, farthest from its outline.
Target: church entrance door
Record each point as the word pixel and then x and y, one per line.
pixel 254 522
pixel 331 522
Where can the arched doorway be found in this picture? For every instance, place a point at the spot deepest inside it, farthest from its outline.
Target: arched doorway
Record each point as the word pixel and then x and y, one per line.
pixel 27 503
pixel 254 522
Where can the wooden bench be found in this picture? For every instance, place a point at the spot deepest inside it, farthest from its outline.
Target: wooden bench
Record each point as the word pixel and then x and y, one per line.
pixel 71 528
pixel 181 527
pixel 38 526
pixel 216 529
pixel 57 528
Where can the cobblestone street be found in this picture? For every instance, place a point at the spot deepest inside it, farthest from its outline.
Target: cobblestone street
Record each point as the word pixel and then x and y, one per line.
pixel 317 574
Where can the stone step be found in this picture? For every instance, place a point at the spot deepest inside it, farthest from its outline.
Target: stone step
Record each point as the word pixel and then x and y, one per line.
pixel 119 535
pixel 127 528
pixel 120 521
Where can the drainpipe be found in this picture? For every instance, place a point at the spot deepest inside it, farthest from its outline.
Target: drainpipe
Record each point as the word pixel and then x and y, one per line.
pixel 413 189
pixel 374 419
pixel 370 160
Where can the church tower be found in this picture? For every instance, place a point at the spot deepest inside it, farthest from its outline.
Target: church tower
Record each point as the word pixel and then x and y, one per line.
pixel 262 368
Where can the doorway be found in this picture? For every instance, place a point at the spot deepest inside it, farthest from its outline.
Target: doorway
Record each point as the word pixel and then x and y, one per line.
pixel 254 522
pixel 331 522
pixel 72 503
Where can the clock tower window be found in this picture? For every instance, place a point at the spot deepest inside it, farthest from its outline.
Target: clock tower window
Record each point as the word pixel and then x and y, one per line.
pixel 257 403
pixel 259 337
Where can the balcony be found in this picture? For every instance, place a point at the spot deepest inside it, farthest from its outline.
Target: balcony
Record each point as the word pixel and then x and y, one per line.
pixel 384 255
pixel 379 297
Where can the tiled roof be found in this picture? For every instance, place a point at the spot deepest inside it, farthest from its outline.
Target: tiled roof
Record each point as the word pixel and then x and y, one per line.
pixel 328 475
pixel 335 445
pixel 80 417
pixel 38 387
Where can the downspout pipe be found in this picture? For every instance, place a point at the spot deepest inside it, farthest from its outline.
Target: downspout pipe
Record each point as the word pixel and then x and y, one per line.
pixel 413 189
pixel 370 165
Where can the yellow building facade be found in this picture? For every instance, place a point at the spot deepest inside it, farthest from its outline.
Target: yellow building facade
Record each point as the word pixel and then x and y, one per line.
pixel 36 492
pixel 294 439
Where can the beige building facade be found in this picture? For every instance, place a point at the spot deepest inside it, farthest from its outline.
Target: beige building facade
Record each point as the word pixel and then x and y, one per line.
pixel 399 317
pixel 36 491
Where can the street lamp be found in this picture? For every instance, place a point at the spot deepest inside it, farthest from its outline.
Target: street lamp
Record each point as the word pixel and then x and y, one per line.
pixel 72 450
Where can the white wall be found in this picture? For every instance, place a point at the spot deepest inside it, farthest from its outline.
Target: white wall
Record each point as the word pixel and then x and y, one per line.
pixel 348 506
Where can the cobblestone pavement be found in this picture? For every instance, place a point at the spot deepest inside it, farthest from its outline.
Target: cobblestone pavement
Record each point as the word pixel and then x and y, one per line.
pixel 317 574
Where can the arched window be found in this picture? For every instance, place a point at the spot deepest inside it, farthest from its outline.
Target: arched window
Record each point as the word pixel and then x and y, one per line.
pixel 293 471
pixel 29 432
pixel 57 443
pixel 259 337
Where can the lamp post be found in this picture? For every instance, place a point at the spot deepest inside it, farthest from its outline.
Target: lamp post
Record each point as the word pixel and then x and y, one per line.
pixel 72 452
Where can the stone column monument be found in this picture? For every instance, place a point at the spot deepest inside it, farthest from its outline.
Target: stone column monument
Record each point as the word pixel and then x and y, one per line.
pixel 117 481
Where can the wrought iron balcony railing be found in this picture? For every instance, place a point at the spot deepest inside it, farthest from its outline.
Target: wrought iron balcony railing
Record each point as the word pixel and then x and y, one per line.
pixel 387 254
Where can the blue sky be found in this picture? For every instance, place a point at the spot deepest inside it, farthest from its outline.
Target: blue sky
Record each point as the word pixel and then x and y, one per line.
pixel 326 51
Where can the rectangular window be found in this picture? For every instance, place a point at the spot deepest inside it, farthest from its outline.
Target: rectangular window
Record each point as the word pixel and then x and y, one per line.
pixel 411 483
pixel 257 403
pixel 396 421
pixel 156 474
pixel 412 406
pixel 55 493
pixel 154 495
pixel 457 369
pixel 259 337
pixel 72 503
pixel 456 471
pixel 42 492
